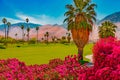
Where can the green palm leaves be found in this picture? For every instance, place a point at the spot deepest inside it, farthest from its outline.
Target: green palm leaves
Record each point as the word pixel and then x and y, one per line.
pixel 107 29
pixel 80 8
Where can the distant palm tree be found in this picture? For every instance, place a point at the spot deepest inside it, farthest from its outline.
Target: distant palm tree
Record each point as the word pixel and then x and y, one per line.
pixel 4 20
pixel 42 39
pixel 68 37
pixel 47 35
pixel 28 29
pixel 45 39
pixel 22 27
pixel 27 20
pixel 37 28
pixel 80 18
pixel 8 24
pixel 107 29
pixel 53 39
pixel 16 36
pixel 28 35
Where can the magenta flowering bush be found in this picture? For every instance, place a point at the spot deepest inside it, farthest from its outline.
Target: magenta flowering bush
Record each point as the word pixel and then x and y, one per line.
pixel 106 53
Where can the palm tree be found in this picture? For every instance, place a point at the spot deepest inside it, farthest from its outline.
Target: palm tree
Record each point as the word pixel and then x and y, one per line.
pixel 16 36
pixel 28 30
pixel 4 20
pixel 37 28
pixel 8 24
pixel 47 35
pixel 107 29
pixel 53 39
pixel 27 20
pixel 80 18
pixel 63 38
pixel 22 27
pixel 68 37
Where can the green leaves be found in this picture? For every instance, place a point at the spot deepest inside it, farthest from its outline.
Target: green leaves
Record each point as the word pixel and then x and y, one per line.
pixel 107 29
pixel 4 20
pixel 85 9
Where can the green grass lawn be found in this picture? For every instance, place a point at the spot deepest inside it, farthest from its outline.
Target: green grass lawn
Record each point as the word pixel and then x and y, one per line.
pixel 41 53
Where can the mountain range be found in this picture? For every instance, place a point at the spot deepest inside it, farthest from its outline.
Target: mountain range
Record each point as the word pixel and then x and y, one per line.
pixel 58 30
pixel 31 25
pixel 115 18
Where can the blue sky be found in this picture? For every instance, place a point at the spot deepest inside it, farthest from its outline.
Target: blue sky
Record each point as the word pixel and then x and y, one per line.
pixel 48 11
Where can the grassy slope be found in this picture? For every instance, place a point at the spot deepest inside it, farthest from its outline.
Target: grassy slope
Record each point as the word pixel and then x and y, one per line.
pixel 41 53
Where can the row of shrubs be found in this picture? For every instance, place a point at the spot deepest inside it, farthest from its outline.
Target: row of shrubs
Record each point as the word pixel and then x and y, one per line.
pixel 106 58
pixel 31 41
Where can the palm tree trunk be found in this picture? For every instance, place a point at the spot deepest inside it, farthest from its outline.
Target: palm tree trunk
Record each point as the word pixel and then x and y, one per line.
pixel 47 39
pixel 28 36
pixel 7 34
pixel 80 37
pixel 80 54
pixel 5 31
pixel 37 36
pixel 23 34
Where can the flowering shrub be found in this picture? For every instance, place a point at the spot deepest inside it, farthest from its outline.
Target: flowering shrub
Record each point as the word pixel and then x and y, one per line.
pixel 106 54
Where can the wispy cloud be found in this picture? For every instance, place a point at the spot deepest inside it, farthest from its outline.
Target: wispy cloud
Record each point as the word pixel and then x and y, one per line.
pixel 10 20
pixel 37 19
pixel 41 19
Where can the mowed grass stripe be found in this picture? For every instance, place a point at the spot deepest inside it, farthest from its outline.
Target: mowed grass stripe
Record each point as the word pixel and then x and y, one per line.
pixel 41 53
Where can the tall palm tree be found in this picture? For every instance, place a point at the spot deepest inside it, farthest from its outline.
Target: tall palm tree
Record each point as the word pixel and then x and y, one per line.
pixel 16 36
pixel 53 39
pixel 28 35
pixel 22 27
pixel 107 29
pixel 4 20
pixel 27 20
pixel 47 35
pixel 80 18
pixel 8 24
pixel 68 37
pixel 37 28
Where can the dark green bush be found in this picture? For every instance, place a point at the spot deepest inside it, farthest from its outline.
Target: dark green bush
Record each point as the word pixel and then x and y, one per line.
pixel 2 47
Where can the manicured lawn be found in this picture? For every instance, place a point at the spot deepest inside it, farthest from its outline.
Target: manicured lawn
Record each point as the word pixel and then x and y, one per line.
pixel 41 53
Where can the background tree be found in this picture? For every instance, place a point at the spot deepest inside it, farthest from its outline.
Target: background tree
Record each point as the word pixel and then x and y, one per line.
pixel 63 38
pixel 45 39
pixel 16 36
pixel 80 18
pixel 37 28
pixel 107 29
pixel 53 39
pixel 47 35
pixel 8 24
pixel 68 37
pixel 28 29
pixel 4 20
pixel 22 27
pixel 27 20
pixel 28 35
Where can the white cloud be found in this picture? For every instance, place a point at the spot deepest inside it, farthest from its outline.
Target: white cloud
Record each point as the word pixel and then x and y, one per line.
pixel 37 19
pixel 41 19
pixel 10 20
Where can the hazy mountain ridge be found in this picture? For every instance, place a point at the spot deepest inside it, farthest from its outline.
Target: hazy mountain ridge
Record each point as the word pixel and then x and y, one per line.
pixel 60 30
pixel 54 30
pixel 31 25
pixel 115 18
